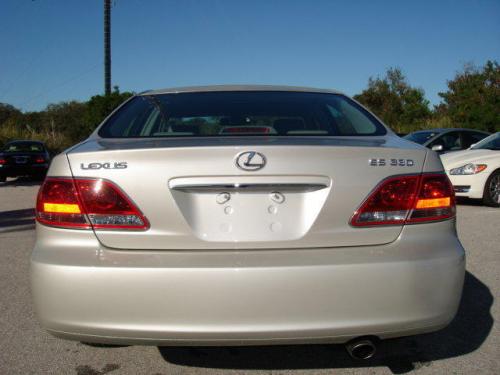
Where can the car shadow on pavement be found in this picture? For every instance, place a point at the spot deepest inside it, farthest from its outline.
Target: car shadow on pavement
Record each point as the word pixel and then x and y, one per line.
pixel 469 202
pixel 464 335
pixel 21 181
pixel 17 220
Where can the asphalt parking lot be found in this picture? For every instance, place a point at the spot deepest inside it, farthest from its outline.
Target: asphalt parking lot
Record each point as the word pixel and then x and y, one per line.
pixel 470 344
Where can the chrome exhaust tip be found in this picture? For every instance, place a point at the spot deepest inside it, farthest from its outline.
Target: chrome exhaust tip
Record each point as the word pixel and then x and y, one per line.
pixel 361 349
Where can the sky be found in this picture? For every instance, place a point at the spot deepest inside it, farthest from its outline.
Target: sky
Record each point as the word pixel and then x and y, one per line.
pixel 52 50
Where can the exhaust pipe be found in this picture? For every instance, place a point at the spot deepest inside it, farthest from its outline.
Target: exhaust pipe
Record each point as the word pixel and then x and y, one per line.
pixel 361 349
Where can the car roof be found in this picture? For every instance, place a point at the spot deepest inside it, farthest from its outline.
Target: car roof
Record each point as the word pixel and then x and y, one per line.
pixel 220 88
pixel 24 141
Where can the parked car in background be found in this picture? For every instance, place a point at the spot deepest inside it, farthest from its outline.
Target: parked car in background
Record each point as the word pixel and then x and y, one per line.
pixel 245 215
pixel 24 158
pixel 447 140
pixel 475 173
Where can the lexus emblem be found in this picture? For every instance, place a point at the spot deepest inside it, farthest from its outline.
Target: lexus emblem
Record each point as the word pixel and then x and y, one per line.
pixel 250 161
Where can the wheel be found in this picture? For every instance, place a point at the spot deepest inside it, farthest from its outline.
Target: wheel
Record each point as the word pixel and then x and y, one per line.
pixel 491 195
pixel 3 178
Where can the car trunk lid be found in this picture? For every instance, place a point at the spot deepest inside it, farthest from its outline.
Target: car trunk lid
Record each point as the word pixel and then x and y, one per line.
pixel 195 196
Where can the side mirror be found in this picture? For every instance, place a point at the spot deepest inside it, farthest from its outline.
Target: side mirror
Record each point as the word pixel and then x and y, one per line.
pixel 437 148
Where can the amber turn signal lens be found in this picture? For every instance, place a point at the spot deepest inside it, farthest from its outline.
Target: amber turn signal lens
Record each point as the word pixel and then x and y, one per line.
pixel 61 208
pixel 433 203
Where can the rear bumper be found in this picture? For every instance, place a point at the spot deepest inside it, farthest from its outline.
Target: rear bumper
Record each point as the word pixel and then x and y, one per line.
pixel 23 170
pixel 85 292
pixel 469 186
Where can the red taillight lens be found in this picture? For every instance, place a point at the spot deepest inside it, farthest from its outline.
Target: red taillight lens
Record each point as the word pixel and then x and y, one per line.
pixel 58 204
pixel 436 199
pixel 108 207
pixel 99 203
pixel 3 161
pixel 39 160
pixel 407 199
pixel 389 204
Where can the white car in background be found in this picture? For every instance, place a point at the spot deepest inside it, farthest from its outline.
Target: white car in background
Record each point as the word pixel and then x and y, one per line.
pixel 475 173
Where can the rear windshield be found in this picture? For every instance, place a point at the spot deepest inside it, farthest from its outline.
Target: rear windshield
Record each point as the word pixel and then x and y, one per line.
pixel 23 147
pixel 420 137
pixel 254 113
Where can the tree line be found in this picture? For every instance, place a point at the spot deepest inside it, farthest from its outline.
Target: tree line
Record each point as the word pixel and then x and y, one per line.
pixel 59 125
pixel 472 100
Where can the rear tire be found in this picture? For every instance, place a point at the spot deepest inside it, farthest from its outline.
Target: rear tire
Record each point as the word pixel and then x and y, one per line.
pixel 3 178
pixel 491 195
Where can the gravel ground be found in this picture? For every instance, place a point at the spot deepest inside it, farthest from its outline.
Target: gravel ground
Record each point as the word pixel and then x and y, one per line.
pixel 470 344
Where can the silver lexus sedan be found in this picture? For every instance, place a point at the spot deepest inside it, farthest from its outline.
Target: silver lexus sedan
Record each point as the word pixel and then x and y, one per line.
pixel 244 215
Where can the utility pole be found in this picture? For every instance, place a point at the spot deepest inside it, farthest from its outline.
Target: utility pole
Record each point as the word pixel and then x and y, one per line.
pixel 107 47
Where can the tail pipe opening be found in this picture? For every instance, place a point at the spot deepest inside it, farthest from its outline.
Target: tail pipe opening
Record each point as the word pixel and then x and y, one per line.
pixel 361 348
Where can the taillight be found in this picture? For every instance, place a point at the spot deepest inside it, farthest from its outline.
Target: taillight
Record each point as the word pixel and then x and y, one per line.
pixel 108 207
pixel 247 129
pixel 407 199
pixel 87 203
pixel 436 199
pixel 39 160
pixel 58 204
pixel 3 161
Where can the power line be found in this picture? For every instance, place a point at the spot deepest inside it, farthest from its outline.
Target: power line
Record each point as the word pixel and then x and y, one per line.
pixel 27 67
pixel 64 83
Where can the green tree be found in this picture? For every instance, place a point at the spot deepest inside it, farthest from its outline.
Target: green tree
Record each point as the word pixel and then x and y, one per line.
pixel 8 111
pixel 98 108
pixel 473 97
pixel 65 117
pixel 59 125
pixel 399 105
